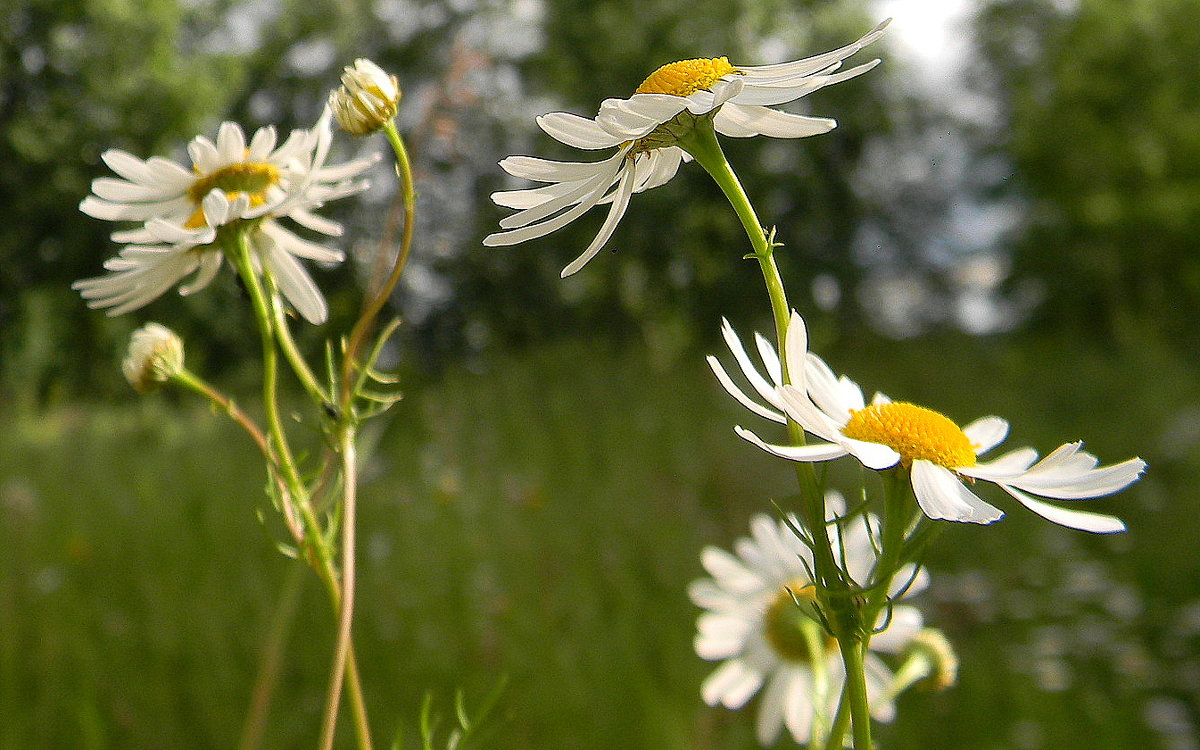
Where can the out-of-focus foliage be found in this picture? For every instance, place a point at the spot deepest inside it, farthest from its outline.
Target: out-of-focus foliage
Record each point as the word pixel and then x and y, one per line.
pixel 1103 129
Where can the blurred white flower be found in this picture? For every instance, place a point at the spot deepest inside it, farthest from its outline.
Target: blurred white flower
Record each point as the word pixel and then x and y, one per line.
pixel 367 98
pixel 184 210
pixel 155 355
pixel 759 622
pixel 645 129
pixel 942 457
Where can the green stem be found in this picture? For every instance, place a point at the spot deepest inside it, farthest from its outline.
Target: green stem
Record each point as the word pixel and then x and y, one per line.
pixel 842 610
pixel 320 556
pixel 287 344
pixel 346 603
pixel 372 308
pixel 856 691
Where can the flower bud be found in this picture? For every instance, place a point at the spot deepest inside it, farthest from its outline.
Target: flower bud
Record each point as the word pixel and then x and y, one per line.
pixel 366 100
pixel 155 356
pixel 929 663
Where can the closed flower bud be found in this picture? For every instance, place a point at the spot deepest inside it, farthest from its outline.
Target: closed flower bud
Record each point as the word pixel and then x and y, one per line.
pixel 366 100
pixel 155 356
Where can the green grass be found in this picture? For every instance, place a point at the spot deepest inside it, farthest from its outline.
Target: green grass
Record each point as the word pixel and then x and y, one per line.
pixel 540 519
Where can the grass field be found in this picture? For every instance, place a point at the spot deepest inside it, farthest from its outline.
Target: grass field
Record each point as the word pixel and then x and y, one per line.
pixel 540 519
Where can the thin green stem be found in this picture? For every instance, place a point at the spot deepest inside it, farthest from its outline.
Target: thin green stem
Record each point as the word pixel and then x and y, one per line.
pixel 842 610
pixel 319 555
pixel 346 449
pixel 371 309
pixel 841 722
pixel 198 385
pixel 287 344
pixel 856 691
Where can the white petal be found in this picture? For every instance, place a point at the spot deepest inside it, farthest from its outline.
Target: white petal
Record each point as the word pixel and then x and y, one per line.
pixel 1071 474
pixel 743 121
pixel 575 193
pixel 294 282
pixel 1097 523
pixel 577 131
pixel 770 360
pixel 545 170
pixel 1010 465
pixel 210 263
pixel 729 386
pixel 770 707
pixel 872 455
pixel 810 452
pixel 815 63
pixel 942 496
pixel 765 390
pixel 639 115
pixel 231 143
pixel 986 433
pixel 786 88
pixel 300 247
pixel 731 684
pixel 620 203
pixel 795 348
pixel 550 225
pixel 798 706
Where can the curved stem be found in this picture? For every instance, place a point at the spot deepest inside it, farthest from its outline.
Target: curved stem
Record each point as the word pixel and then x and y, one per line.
pixel 287 344
pixel 372 308
pixel 346 602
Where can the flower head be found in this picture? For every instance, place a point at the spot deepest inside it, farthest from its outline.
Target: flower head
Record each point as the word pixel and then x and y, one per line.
pixel 647 130
pixel 759 622
pixel 186 214
pixel 942 458
pixel 367 98
pixel 155 356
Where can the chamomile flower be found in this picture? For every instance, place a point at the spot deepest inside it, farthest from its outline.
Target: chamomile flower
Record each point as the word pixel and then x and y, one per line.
pixel 759 623
pixel 647 128
pixel 183 210
pixel 943 458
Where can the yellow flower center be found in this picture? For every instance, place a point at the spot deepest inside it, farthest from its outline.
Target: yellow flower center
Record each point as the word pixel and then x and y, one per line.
pixel 686 77
pixel 789 624
pixel 250 178
pixel 916 433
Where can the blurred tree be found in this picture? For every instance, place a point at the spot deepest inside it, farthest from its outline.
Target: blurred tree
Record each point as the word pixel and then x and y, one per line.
pixel 1102 102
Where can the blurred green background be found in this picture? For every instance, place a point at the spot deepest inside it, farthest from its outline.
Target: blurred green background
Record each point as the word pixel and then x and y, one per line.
pixel 1004 222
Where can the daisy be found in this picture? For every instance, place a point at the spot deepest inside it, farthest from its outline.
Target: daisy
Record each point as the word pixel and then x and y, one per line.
pixel 183 210
pixel 758 623
pixel 943 458
pixel 647 130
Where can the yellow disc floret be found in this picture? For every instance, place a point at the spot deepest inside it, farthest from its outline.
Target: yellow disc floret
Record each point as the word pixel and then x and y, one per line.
pixel 686 77
pixel 916 433
pixel 789 624
pixel 253 179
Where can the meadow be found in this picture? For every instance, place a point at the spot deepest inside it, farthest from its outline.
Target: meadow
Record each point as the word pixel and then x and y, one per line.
pixel 536 518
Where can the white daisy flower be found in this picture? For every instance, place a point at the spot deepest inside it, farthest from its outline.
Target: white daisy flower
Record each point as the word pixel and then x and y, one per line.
pixel 183 209
pixel 942 457
pixel 758 623
pixel 646 128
